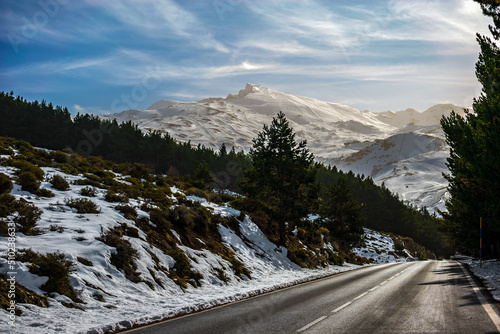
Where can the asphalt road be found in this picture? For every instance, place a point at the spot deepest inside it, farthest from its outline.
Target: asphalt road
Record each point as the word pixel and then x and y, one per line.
pixel 414 297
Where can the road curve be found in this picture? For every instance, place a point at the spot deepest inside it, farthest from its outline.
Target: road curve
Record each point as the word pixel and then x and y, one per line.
pixel 415 297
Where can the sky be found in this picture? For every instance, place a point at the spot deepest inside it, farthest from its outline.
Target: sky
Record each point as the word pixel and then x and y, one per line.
pixel 104 57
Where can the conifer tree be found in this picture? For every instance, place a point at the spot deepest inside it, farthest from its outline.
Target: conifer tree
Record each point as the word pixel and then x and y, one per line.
pixel 474 163
pixel 204 176
pixel 342 214
pixel 283 174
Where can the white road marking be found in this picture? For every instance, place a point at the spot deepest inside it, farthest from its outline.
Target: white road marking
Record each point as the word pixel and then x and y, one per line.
pixel 360 296
pixel 487 307
pixel 309 325
pixel 341 307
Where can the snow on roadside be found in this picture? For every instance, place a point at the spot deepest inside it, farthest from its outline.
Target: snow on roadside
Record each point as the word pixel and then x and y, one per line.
pixel 489 273
pixel 111 301
pixel 378 247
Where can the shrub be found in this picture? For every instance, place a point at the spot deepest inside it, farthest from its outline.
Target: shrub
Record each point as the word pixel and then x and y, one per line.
pixel 24 146
pixel 88 191
pixel 29 182
pixel 128 211
pixel 93 183
pixel 59 156
pixel 196 192
pixel 140 171
pixel 215 198
pixel 27 218
pixel 336 259
pixel 5 149
pixel 5 184
pixel 160 219
pixel 58 182
pixel 104 174
pixel 226 197
pixel 180 217
pixel 129 231
pixel 68 169
pixel 42 192
pixel 82 205
pixel 112 196
pixel 22 295
pixel 158 196
pixel 182 273
pixel 162 181
pixel 201 218
pixel 53 265
pixel 25 166
pixel 8 205
pixel 125 254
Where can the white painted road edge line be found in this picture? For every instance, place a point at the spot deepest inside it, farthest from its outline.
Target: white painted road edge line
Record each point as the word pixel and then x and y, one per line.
pixel 309 325
pixel 487 307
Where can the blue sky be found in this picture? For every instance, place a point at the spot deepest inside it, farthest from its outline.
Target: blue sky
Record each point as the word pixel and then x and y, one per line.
pixel 107 56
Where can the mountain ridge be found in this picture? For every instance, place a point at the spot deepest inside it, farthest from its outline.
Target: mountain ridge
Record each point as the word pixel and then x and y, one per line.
pixel 335 133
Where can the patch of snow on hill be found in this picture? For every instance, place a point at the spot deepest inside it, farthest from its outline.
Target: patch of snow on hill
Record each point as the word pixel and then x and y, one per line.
pixel 378 247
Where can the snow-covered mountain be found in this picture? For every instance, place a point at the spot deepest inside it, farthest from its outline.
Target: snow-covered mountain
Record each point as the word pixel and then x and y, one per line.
pixel 404 149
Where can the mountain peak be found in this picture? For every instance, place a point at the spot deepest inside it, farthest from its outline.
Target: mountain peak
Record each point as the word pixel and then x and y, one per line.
pixel 249 88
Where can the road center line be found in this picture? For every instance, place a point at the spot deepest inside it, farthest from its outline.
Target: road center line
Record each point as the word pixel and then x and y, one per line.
pixel 349 303
pixel 360 296
pixel 309 325
pixel 341 307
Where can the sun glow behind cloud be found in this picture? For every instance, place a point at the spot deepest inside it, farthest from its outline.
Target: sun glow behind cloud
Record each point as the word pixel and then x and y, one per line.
pixel 390 54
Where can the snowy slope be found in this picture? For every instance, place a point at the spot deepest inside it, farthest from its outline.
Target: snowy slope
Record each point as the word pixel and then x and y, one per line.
pixel 236 120
pixel 110 300
pixel 410 164
pixel 430 117
pixel 337 134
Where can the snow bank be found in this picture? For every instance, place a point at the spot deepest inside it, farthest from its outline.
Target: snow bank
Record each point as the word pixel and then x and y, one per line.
pixel 489 274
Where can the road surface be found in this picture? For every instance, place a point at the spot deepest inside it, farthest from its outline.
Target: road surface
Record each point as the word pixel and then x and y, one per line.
pixel 412 297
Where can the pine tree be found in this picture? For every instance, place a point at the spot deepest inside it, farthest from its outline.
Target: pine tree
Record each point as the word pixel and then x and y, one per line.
pixel 283 174
pixel 341 213
pixel 203 176
pixel 474 161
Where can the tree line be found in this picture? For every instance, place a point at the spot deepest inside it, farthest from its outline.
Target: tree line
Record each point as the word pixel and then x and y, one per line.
pixel 474 161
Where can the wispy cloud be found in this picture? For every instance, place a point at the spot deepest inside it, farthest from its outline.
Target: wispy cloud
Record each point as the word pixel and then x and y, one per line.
pixel 89 110
pixel 331 50
pixel 158 20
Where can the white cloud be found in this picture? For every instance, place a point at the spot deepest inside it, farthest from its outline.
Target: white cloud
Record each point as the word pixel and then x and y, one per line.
pixel 159 19
pixel 88 110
